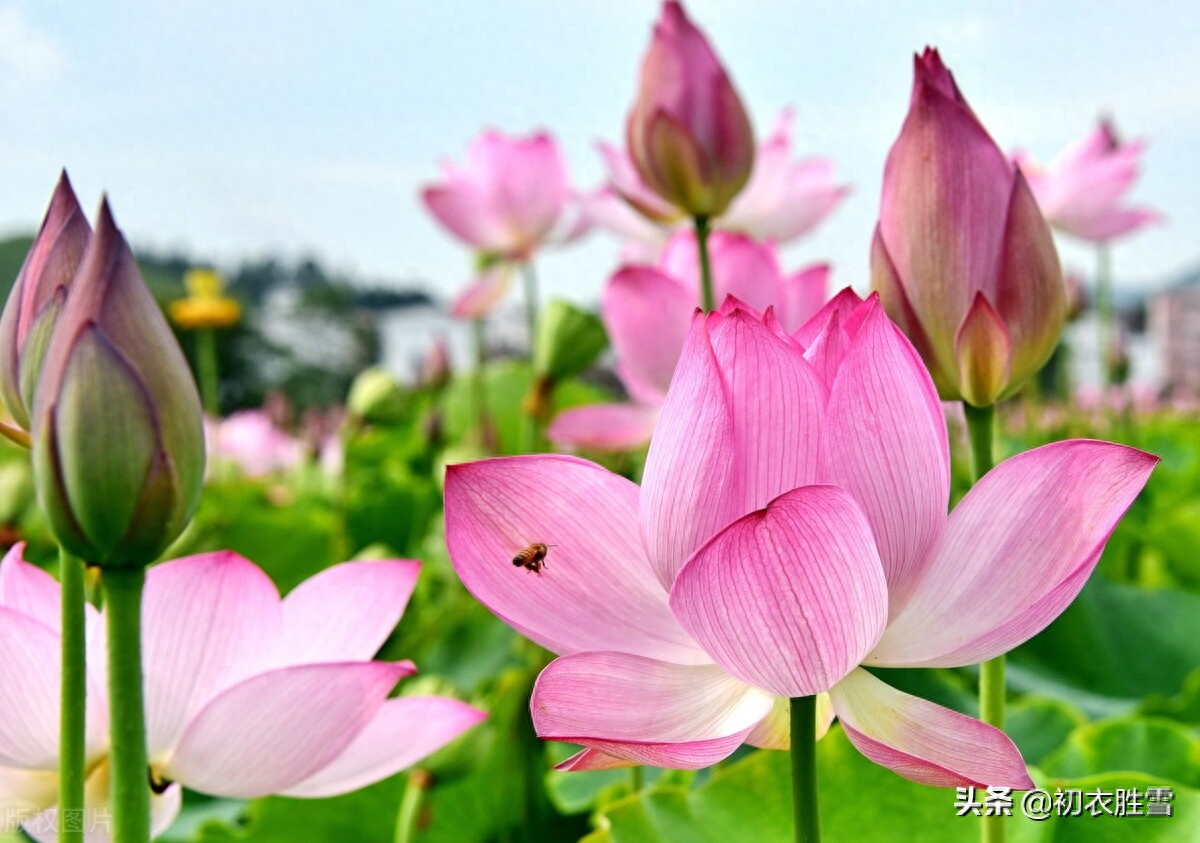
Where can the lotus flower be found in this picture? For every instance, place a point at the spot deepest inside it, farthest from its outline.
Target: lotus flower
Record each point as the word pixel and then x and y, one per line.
pixel 962 258
pixel 688 133
pixel 250 440
pixel 246 694
pixel 1080 191
pixel 791 525
pixel 783 200
pixel 37 298
pixel 647 311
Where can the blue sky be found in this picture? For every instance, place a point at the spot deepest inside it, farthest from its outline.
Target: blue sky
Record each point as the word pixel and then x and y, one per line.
pixel 236 127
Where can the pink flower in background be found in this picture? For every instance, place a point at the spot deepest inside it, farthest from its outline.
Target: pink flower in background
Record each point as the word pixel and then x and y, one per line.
pixel 688 134
pixel 1082 190
pixel 962 258
pixel 783 201
pixel 647 310
pixel 776 543
pixel 246 694
pixel 785 198
pixel 250 439
pixel 509 197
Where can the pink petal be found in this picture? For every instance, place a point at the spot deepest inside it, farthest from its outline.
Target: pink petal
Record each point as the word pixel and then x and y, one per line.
pixel 604 427
pixel 463 211
pixel 29 590
pixel 208 621
pixel 1015 553
pixel 885 442
pixel 29 685
pixel 404 731
pixel 924 742
pixel 593 759
pixel 647 314
pixel 605 209
pixel 844 303
pixel 597 591
pixel 480 297
pixel 790 598
pixel 346 612
pixel 802 294
pixel 739 427
pixel 276 729
pixel 647 711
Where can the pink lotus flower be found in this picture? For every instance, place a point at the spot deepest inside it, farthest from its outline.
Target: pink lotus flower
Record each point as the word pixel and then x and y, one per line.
pixel 250 440
pixel 688 133
pixel 962 259
pixel 509 198
pixel 784 199
pixel 647 310
pixel 791 525
pixel 1080 191
pixel 246 694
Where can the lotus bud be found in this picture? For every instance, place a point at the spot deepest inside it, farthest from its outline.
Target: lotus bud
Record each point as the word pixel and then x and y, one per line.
pixel 37 299
pixel 688 133
pixel 118 441
pixel 962 258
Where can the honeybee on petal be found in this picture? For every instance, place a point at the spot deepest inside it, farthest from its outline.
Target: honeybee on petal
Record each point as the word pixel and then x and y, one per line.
pixel 532 558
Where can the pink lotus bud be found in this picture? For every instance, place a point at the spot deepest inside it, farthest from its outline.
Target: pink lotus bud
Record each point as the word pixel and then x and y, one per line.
pixel 37 298
pixel 118 445
pixel 688 133
pixel 962 258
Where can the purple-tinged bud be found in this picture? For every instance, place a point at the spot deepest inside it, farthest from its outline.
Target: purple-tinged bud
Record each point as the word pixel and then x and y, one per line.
pixel 688 133
pixel 962 258
pixel 37 298
pixel 118 442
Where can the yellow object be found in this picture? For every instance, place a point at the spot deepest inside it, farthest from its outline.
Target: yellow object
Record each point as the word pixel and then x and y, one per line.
pixel 204 306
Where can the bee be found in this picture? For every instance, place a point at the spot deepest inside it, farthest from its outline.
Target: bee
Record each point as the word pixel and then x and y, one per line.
pixel 532 558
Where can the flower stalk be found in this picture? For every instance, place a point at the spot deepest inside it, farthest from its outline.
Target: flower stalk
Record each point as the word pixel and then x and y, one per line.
pixel 122 589
pixel 804 769
pixel 73 713
pixel 707 297
pixel 206 367
pixel 981 428
pixel 1105 331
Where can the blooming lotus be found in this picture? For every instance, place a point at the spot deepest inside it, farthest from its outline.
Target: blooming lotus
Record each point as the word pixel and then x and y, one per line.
pixel 246 694
pixel 791 526
pixel 250 440
pixel 962 258
pixel 647 310
pixel 1080 191
pixel 783 200
pixel 37 298
pixel 688 134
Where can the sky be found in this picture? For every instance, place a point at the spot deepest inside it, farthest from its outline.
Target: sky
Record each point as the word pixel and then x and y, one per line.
pixel 237 128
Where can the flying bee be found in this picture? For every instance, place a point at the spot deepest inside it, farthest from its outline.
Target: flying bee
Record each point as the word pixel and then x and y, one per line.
pixel 532 558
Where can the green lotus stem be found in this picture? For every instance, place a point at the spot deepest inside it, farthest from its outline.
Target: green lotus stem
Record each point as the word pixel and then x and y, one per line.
pixel 1104 313
pixel 206 366
pixel 122 590
pixel 407 825
pixel 981 426
pixel 636 779
pixel 707 297
pixel 531 303
pixel 804 769
pixel 72 760
pixel 478 387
